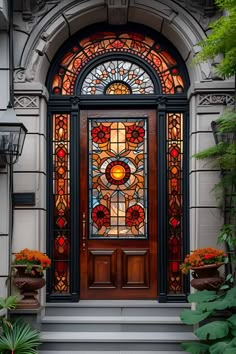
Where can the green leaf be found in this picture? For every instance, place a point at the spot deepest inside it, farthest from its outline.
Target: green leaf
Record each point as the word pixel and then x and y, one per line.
pixel 213 330
pixel 224 287
pixel 219 348
pixel 230 351
pixel 8 303
pixel 215 305
pixel 19 338
pixel 193 317
pixel 195 347
pixel 233 342
pixel 229 277
pixel 233 331
pixel 203 296
pixel 232 320
pixel 231 294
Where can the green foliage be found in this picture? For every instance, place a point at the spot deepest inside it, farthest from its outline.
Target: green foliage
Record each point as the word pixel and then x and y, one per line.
pixel 213 330
pixel 196 348
pixel 8 303
pixel 222 40
pixel 203 296
pixel 191 317
pixel 19 339
pixel 221 347
pixel 216 317
pixel 226 234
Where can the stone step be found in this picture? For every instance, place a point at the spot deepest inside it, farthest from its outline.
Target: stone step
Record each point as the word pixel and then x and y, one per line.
pixel 112 352
pixel 64 342
pixel 115 308
pixel 114 324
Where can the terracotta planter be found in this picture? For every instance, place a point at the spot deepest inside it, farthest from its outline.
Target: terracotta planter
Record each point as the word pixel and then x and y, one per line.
pixel 28 285
pixel 206 277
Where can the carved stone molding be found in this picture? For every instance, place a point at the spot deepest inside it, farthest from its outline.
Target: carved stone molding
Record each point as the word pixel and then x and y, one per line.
pixel 26 102
pixel 216 99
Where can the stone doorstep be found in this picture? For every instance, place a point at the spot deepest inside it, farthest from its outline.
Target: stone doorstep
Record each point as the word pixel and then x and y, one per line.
pixel 113 319
pixel 113 352
pixel 121 337
pixel 118 303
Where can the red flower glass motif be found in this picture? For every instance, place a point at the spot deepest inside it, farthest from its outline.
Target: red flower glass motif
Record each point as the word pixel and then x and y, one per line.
pixel 134 215
pixel 101 216
pixel 135 134
pixel 100 134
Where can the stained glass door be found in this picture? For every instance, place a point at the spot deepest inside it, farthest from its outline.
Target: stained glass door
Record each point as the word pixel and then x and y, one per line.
pixel 118 204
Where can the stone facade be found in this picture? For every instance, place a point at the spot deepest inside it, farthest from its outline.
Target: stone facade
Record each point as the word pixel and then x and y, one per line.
pixel 40 28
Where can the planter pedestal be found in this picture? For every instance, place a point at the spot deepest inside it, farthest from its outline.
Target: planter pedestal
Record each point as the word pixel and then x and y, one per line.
pixel 206 277
pixel 28 285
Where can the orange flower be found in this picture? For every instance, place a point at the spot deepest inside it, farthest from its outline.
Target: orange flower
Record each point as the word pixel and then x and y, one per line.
pixel 201 257
pixel 32 258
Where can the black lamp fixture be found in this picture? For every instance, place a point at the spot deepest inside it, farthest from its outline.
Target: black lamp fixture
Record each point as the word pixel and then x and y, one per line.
pixel 12 136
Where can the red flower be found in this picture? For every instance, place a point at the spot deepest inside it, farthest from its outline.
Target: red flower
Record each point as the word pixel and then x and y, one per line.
pixel 101 216
pixel 134 215
pixel 135 134
pixel 100 134
pixel 208 256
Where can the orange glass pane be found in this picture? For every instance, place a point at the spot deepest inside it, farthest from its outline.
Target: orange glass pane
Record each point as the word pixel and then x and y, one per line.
pixel 117 88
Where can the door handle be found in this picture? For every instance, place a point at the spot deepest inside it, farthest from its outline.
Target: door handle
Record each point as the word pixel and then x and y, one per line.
pixel 84 231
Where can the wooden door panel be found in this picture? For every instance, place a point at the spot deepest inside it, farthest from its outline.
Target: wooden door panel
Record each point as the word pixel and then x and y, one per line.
pixel 135 269
pixel 102 269
pixel 120 267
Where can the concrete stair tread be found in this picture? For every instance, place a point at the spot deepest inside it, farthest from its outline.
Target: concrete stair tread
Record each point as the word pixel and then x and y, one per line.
pixel 119 303
pixel 113 319
pixel 106 337
pixel 112 352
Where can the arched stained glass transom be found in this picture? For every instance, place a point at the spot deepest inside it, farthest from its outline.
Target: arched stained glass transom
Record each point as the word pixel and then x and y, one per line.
pixel 117 77
pixel 101 43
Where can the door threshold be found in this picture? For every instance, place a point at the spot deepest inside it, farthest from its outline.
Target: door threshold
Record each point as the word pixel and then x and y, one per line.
pixel 116 303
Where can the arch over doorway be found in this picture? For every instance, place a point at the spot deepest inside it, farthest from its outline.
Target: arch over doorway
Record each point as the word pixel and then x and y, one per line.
pixel 81 106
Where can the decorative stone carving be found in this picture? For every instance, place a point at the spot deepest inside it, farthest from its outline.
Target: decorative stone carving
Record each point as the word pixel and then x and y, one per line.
pixel 19 75
pixel 216 99
pixel 31 69
pixel 34 10
pixel 26 102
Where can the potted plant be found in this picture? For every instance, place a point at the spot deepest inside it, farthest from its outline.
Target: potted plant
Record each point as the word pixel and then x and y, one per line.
pixel 19 338
pixel 16 337
pixel 30 266
pixel 204 262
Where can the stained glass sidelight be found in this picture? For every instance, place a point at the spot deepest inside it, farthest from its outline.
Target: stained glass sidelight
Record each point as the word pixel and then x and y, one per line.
pixel 117 77
pixel 149 50
pixel 174 175
pixel 61 194
pixel 118 178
